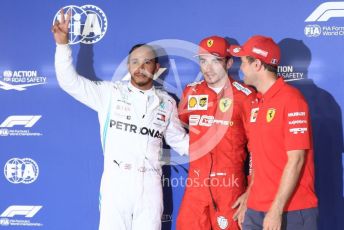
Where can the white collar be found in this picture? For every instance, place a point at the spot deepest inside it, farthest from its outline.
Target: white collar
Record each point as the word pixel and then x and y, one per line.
pixel 147 92
pixel 216 89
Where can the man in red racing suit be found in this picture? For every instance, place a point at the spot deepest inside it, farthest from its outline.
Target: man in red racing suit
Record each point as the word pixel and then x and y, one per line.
pixel 215 110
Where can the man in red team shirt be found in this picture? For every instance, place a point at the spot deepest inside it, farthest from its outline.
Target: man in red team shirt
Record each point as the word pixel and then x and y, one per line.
pixel 215 110
pixel 280 141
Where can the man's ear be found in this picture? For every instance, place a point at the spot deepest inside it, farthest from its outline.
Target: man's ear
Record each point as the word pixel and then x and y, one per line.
pixel 229 63
pixel 157 67
pixel 258 64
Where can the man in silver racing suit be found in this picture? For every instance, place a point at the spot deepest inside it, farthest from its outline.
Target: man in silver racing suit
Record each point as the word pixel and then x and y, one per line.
pixel 133 117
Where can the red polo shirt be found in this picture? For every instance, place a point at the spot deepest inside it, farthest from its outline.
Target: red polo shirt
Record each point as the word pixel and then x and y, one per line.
pixel 280 122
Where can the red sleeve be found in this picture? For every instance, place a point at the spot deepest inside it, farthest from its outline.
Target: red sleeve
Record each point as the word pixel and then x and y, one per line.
pixel 246 114
pixel 297 124
pixel 183 107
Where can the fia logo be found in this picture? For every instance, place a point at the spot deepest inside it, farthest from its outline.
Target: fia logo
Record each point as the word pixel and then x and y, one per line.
pixel 23 171
pixel 312 30
pixel 88 23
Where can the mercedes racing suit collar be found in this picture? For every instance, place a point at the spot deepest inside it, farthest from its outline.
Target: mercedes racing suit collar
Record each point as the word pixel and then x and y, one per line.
pixel 145 100
pixel 147 92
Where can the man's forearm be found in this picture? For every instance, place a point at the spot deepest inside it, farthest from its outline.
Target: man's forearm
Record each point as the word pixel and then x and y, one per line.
pixel 250 182
pixel 65 71
pixel 289 179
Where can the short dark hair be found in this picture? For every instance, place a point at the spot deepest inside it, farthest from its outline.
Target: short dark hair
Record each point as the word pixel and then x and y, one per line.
pixel 228 58
pixel 268 67
pixel 156 59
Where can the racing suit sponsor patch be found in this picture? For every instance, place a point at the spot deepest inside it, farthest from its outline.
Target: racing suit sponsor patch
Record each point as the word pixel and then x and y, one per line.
pixel 222 222
pixel 254 114
pixel 198 102
pixel 242 88
pixel 208 121
pixel 131 128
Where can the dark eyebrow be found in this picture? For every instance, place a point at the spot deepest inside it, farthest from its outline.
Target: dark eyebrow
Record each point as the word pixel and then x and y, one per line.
pixel 220 58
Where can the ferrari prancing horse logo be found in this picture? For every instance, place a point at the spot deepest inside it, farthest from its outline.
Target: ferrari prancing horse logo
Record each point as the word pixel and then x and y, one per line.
pixel 270 115
pixel 210 42
pixel 225 104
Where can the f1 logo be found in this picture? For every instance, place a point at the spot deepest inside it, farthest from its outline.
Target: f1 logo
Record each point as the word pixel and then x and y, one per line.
pixel 325 11
pixel 27 211
pixel 27 121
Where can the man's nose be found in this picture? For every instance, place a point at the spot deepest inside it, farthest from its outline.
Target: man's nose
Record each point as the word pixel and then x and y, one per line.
pixel 208 66
pixel 140 67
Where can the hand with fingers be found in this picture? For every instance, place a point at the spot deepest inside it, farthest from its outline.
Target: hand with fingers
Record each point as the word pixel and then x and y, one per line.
pixel 240 205
pixel 60 28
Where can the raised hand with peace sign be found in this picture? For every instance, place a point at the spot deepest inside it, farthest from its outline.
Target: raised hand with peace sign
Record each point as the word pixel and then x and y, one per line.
pixel 61 27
